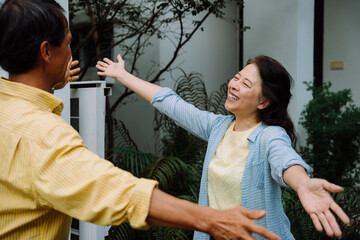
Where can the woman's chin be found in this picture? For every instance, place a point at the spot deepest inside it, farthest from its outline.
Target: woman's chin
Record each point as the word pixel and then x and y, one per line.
pixel 228 106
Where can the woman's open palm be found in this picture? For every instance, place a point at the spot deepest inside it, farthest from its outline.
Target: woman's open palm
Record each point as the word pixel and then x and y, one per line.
pixel 317 202
pixel 110 68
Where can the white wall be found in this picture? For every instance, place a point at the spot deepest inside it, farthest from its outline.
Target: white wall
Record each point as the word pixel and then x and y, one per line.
pixel 213 52
pixel 341 43
pixel 283 30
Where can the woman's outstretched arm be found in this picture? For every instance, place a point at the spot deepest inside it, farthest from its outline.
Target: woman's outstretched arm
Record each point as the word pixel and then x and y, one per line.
pixel 316 200
pixel 117 70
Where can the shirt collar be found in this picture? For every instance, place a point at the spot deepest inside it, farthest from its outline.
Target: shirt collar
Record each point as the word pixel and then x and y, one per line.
pixel 256 132
pixel 39 97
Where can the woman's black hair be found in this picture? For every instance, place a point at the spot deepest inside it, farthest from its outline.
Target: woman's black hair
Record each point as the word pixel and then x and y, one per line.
pixel 24 25
pixel 276 84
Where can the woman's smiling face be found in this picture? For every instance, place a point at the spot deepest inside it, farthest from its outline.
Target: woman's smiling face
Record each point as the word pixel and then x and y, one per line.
pixel 244 92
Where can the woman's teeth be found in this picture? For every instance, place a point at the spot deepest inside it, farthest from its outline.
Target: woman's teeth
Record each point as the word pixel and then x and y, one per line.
pixel 233 97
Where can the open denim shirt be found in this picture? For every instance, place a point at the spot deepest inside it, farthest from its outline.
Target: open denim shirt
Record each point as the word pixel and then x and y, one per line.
pixel 270 154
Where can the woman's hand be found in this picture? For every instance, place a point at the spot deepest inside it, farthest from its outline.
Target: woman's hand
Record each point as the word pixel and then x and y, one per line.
pixel 117 70
pixel 110 68
pixel 316 200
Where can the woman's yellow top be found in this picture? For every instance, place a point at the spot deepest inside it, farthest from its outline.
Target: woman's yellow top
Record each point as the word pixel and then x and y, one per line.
pixel 226 169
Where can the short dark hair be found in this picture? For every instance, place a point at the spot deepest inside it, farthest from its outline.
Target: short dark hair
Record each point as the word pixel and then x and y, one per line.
pixel 24 25
pixel 276 84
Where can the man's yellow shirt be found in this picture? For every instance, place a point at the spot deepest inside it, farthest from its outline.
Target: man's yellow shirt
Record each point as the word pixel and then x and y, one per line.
pixel 48 176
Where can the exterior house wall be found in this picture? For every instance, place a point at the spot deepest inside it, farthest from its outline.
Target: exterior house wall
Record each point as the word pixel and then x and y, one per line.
pixel 283 30
pixel 341 43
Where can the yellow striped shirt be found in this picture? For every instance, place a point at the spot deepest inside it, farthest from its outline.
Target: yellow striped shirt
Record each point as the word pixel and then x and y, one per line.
pixel 48 176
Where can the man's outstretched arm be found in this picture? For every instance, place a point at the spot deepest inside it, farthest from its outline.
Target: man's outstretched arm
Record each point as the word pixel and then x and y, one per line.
pixel 236 223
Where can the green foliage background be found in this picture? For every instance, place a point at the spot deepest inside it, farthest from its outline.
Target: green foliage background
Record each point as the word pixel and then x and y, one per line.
pixel 332 123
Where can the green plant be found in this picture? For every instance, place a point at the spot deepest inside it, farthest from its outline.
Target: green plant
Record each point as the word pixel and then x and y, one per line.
pixel 332 150
pixel 174 176
pixel 332 123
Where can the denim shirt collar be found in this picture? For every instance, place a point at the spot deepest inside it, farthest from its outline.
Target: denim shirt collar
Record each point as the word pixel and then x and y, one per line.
pixel 252 137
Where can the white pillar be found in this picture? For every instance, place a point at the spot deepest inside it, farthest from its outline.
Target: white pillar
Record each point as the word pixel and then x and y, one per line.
pixel 64 93
pixel 305 62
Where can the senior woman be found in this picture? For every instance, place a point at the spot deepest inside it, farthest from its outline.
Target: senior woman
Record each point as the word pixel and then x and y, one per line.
pixel 250 153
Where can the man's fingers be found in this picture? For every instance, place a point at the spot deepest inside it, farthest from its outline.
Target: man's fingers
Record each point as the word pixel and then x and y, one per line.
pixel 245 234
pixel 254 214
pixel 259 230
pixel 252 227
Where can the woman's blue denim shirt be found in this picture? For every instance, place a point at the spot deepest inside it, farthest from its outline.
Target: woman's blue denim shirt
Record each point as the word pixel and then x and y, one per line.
pixel 270 153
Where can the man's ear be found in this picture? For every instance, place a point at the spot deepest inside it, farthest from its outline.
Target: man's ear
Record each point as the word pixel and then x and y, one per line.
pixel 264 103
pixel 45 51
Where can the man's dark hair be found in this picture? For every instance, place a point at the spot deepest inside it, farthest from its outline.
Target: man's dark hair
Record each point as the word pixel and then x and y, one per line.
pixel 24 25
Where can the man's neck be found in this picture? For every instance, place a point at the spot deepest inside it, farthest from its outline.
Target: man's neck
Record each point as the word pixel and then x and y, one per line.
pixel 32 78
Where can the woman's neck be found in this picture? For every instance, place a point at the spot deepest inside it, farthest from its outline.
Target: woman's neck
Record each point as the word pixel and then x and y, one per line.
pixel 243 124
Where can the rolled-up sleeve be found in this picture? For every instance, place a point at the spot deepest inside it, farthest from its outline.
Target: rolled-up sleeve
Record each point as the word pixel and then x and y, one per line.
pixel 280 153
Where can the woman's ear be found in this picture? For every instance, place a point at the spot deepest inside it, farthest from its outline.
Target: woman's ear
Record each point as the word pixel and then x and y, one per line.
pixel 45 51
pixel 264 103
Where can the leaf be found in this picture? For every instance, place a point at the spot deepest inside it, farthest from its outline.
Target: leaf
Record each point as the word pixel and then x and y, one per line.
pixel 122 136
pixel 168 171
pixel 131 160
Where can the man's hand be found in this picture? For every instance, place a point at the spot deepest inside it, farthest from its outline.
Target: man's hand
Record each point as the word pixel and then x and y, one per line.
pixel 316 200
pixel 237 223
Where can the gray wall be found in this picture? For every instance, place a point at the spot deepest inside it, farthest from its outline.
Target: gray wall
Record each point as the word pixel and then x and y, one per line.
pixel 342 43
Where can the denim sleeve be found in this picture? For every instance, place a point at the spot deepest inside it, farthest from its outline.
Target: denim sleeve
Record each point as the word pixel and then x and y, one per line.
pixel 198 122
pixel 280 154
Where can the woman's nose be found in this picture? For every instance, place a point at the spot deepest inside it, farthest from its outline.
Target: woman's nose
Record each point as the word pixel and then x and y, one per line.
pixel 234 85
